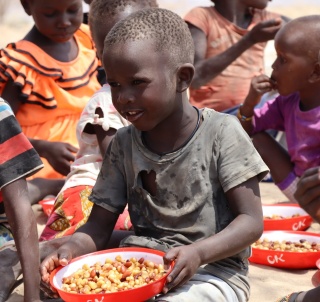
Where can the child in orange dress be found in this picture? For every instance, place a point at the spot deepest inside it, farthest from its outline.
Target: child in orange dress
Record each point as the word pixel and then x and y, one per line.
pixel 48 77
pixel 72 206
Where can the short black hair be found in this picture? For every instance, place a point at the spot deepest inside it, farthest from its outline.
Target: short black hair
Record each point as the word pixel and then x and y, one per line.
pixel 164 27
pixel 100 9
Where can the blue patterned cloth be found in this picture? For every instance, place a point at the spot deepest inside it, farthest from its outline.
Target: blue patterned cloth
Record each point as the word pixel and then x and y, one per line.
pixel 5 234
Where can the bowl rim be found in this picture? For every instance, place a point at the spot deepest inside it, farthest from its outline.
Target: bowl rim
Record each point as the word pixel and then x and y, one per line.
pixel 107 251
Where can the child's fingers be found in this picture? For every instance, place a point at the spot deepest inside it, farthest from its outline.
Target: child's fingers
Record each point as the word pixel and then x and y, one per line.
pixel 176 280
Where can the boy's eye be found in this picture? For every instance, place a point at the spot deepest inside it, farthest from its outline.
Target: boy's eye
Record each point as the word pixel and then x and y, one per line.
pixel 282 59
pixel 137 82
pixel 51 14
pixel 114 84
pixel 74 10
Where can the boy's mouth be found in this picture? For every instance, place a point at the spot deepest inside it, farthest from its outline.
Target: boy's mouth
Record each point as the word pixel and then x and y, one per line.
pixel 133 115
pixel 274 83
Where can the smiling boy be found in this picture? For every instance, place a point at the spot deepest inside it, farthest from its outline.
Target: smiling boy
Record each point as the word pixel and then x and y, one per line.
pixel 190 177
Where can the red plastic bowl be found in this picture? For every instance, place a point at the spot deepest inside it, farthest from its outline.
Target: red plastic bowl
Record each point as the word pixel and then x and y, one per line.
pixel 133 295
pixel 47 205
pixel 285 259
pixel 300 223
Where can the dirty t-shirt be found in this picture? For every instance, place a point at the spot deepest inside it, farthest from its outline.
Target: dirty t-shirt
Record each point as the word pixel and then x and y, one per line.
pixel 190 204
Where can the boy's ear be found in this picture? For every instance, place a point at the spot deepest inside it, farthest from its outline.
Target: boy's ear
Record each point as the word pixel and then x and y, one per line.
pixel 26 7
pixel 185 75
pixel 315 76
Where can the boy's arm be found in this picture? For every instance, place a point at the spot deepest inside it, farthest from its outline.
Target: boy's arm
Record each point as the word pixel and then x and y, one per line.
pixel 207 69
pixel 94 235
pixel 247 227
pixel 23 224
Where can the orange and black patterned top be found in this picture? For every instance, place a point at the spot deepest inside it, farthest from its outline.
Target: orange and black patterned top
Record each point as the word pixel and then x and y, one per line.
pixel 54 93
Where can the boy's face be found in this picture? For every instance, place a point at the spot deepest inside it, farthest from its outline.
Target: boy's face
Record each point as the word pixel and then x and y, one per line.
pixel 292 68
pixel 58 20
pixel 143 82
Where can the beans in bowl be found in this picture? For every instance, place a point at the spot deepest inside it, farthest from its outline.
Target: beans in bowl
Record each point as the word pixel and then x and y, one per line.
pixel 113 276
pixel 285 245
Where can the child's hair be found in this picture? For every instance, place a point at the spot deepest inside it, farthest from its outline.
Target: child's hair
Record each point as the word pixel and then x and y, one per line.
pixel 100 9
pixel 166 28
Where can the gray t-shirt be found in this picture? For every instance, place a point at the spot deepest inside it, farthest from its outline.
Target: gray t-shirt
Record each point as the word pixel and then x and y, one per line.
pixel 190 203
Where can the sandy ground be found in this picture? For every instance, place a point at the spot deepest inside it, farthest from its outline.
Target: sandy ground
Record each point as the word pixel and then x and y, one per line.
pixel 268 284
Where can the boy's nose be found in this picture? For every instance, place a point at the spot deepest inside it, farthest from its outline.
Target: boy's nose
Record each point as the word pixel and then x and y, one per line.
pixel 63 21
pixel 125 97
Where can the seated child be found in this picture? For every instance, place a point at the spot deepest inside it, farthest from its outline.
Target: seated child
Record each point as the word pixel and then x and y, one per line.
pixel 308 196
pixel 230 38
pixel 296 76
pixel 72 206
pixel 48 77
pixel 18 160
pixel 190 177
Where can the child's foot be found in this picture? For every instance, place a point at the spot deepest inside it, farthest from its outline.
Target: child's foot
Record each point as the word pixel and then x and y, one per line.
pixel 10 269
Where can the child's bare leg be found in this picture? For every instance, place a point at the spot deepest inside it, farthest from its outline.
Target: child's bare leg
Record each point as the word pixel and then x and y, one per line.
pixel 274 155
pixel 41 187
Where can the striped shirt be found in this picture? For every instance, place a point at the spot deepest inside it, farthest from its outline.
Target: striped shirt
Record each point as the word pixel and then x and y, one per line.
pixel 17 156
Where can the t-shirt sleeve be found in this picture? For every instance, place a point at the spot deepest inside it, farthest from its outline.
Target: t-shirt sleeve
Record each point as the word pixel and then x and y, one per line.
pixel 238 160
pixel 269 116
pixel 110 190
pixel 198 17
pixel 18 157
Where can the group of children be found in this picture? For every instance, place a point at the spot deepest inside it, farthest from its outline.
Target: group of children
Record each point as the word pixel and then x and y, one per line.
pixel 189 176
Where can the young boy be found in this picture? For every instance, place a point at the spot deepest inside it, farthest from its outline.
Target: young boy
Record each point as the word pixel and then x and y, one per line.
pixel 18 160
pixel 230 38
pixel 190 177
pixel 296 76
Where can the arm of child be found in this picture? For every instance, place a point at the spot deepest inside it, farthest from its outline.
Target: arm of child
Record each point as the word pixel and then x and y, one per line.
pixel 207 69
pixel 23 224
pixel 94 235
pixel 247 227
pixel 259 85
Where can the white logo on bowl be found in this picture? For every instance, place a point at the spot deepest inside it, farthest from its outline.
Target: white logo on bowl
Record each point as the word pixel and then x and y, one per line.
pixel 96 300
pixel 299 225
pixel 275 259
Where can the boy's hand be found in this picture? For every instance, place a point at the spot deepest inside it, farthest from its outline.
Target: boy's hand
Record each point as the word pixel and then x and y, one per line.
pixel 265 30
pixel 61 257
pixel 259 85
pixel 187 261
pixel 308 192
pixel 60 155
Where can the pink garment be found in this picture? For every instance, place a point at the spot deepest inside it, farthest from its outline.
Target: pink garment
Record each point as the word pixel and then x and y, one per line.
pixel 302 129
